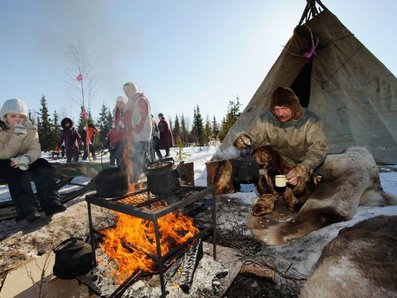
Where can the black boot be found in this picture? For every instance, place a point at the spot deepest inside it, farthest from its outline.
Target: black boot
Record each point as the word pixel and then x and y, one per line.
pixel 35 215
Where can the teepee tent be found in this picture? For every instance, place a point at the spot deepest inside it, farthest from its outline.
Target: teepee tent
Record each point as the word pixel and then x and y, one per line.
pixel 335 76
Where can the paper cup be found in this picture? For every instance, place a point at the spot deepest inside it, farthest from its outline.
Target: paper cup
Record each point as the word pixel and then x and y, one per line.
pixel 23 166
pixel 281 181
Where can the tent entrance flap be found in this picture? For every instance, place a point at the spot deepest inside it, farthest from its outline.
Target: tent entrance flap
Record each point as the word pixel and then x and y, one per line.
pixel 301 85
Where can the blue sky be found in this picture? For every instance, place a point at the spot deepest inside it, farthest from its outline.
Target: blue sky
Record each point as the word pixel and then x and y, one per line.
pixel 180 53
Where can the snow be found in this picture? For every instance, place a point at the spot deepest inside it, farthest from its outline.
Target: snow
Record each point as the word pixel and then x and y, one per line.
pixel 286 254
pixel 199 156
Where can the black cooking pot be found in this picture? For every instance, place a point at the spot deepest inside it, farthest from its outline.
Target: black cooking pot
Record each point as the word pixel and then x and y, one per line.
pixel 111 182
pixel 162 178
pixel 245 169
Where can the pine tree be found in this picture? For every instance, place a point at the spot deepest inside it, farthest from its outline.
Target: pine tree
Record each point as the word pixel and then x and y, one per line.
pixel 31 118
pixel 177 132
pixel 207 131
pixel 44 127
pixel 215 128
pixel 103 124
pixel 82 121
pixel 184 131
pixel 197 131
pixel 233 112
pixel 55 127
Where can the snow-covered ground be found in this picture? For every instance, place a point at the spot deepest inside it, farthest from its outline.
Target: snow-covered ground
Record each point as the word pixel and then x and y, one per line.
pixel 199 156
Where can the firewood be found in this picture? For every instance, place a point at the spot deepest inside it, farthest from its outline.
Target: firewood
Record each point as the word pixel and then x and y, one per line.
pixel 190 263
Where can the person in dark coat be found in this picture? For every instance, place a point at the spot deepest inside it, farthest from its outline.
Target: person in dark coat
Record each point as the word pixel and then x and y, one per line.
pixel 166 138
pixel 71 139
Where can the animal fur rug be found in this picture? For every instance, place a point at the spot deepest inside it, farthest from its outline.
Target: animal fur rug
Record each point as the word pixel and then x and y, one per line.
pixel 349 179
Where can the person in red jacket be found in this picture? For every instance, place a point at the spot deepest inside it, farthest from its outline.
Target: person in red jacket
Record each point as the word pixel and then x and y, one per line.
pixel 88 135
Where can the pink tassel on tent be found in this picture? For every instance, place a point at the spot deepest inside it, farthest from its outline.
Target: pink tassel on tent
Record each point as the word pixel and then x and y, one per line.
pixel 311 53
pixel 79 77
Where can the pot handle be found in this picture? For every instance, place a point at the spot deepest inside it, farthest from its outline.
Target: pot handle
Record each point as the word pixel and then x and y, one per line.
pixel 60 245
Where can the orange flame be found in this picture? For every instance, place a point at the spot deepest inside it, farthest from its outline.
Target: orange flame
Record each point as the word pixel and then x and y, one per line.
pixel 133 239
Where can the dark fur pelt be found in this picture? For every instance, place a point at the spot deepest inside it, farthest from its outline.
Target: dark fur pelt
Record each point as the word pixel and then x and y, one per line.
pixel 360 262
pixel 348 180
pixel 271 164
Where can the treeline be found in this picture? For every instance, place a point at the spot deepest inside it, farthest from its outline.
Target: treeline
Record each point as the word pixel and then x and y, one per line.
pixel 200 133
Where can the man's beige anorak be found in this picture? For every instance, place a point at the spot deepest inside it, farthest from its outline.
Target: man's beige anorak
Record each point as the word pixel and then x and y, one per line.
pixel 299 140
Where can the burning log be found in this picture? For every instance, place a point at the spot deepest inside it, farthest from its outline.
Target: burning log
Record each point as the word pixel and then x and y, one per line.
pixel 190 263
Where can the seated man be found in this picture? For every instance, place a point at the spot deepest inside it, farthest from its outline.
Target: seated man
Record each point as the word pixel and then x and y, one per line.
pixel 295 134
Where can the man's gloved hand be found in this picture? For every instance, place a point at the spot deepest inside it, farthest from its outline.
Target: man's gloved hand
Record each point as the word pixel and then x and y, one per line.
pixel 243 142
pixel 300 173
pixel 20 130
pixel 21 162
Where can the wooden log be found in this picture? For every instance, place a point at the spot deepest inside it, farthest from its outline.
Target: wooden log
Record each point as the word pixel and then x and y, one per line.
pixel 260 271
pixel 220 174
pixel 190 263
pixel 188 174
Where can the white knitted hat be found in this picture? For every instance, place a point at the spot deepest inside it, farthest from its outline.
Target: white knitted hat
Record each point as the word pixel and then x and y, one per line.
pixel 14 105
pixel 121 99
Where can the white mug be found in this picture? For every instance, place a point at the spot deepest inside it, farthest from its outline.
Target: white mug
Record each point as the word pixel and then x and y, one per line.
pixel 281 181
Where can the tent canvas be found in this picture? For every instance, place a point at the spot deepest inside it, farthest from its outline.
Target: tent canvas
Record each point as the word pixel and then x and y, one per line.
pixel 344 83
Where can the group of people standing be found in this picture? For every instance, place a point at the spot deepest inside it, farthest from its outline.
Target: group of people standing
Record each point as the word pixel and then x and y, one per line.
pixel 135 137
pixel 72 140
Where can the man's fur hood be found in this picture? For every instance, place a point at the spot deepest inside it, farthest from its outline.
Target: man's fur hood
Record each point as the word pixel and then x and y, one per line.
pixel 284 96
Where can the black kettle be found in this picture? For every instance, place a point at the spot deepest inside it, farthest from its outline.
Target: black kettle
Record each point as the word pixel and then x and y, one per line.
pixel 73 257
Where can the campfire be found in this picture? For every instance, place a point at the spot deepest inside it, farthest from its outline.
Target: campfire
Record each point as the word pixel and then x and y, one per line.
pixel 151 235
pixel 132 243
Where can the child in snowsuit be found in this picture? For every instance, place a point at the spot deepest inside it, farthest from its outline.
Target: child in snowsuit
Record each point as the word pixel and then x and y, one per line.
pixel 71 139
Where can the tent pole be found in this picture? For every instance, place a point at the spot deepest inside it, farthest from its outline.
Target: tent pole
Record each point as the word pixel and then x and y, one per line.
pixel 310 10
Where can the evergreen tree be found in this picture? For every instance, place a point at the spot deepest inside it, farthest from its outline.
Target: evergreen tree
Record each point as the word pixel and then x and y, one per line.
pixel 197 131
pixel 103 124
pixel 233 112
pixel 82 121
pixel 44 126
pixel 207 131
pixel 184 131
pixel 55 128
pixel 31 118
pixel 215 128
pixel 177 132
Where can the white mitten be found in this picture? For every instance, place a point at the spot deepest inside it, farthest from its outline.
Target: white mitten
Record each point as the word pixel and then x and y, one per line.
pixel 22 162
pixel 20 130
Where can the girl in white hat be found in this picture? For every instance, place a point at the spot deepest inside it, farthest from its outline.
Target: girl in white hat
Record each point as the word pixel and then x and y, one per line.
pixel 20 153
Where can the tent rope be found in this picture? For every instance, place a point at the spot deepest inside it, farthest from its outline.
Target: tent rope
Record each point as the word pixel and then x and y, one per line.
pixel 312 51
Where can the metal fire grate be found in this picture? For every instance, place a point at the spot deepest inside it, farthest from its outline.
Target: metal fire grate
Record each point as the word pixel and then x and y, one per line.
pixel 151 207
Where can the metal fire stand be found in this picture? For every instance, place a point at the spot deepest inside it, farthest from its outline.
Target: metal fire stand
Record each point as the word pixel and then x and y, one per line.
pixel 181 197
